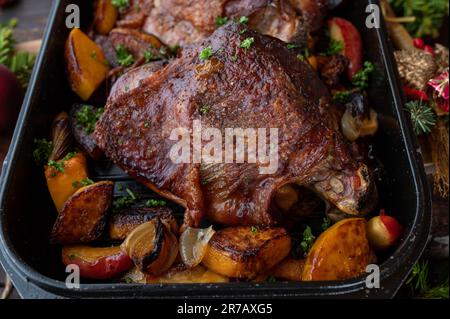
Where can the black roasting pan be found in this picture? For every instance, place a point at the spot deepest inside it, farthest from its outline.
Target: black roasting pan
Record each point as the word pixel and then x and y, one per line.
pixel 27 214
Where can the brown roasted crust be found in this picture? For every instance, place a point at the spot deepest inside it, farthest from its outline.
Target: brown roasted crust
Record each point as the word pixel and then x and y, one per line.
pixel 245 252
pixel 82 219
pixel 123 223
pixel 331 68
pixel 296 102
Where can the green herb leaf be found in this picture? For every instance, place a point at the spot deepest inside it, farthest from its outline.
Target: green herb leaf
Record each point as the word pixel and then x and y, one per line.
pixel 155 203
pixel 206 53
pixel 326 223
pixel 308 240
pixel 247 43
pixel 125 201
pixel 335 47
pixel 121 4
pixel 361 79
pixel 422 117
pixel 291 46
pixel 243 20
pixel 342 97
pixel 220 21
pixel 205 109
pixel 87 118
pixel 58 166
pixel 124 58
pixel 42 151
pixel 254 230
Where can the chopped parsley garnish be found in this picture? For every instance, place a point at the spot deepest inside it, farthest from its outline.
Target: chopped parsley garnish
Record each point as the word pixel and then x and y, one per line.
pixel 220 21
pixel 291 46
pixel 87 118
pixel 146 124
pixel 254 230
pixel 124 58
pixel 150 56
pixel 341 97
pixel 247 43
pixel 206 53
pixel 120 4
pixel 361 79
pixel 155 203
pixel 42 151
pixel 205 109
pixel 94 55
pixel 125 201
pixel 69 156
pixel 234 58
pixel 271 279
pixel 58 166
pixel 308 240
pixel 326 223
pixel 85 182
pixel 335 47
pixel 303 55
pixel 243 20
pixel 243 31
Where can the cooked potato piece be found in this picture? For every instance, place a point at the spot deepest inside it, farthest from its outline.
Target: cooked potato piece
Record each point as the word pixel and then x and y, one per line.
pixel 124 222
pixel 82 218
pixel 245 252
pixel 86 64
pixel 105 16
pixel 152 247
pixel 83 132
pixel 97 262
pixel 289 269
pixel 64 182
pixel 341 252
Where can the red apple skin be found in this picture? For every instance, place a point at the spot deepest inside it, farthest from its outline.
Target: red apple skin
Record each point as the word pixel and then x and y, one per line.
pixel 383 231
pixel 11 95
pixel 345 32
pixel 97 263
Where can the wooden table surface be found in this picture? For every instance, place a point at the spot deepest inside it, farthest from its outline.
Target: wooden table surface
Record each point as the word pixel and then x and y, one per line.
pixel 32 16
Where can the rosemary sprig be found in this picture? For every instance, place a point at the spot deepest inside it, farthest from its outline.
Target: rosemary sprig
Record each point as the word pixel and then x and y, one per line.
pixel 422 117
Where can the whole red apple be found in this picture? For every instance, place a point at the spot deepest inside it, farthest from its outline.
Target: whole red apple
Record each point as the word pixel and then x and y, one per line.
pixel 11 95
pixel 345 32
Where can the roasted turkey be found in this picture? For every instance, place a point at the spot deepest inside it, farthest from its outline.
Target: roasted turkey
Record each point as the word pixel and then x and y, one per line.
pixel 248 80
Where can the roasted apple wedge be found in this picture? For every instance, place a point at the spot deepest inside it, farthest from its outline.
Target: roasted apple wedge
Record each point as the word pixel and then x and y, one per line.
pixel 152 247
pixel 64 177
pixel 245 252
pixel 341 252
pixel 82 218
pixel 97 263
pixel 86 64
pixel 124 222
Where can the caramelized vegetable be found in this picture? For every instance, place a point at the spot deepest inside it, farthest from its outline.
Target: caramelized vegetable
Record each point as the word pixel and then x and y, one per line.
pixel 97 263
pixel 123 223
pixel 245 252
pixel 86 64
pixel 383 231
pixel 82 218
pixel 289 269
pixel 341 252
pixel 105 16
pixel 61 137
pixel 152 247
pixel 64 178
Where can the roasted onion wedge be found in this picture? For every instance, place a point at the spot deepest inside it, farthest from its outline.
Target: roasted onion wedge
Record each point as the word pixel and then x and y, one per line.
pixel 245 252
pixel 152 247
pixel 194 245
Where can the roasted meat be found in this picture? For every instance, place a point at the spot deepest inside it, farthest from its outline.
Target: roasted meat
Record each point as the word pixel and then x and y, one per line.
pixel 261 86
pixel 187 21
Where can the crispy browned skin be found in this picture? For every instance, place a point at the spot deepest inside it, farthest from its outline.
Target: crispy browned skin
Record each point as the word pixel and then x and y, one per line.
pixel 188 21
pixel 124 222
pixel 267 87
pixel 82 219
pixel 245 252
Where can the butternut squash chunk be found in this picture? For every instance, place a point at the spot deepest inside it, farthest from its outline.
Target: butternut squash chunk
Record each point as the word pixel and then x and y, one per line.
pixel 341 252
pixel 246 252
pixel 65 182
pixel 86 64
pixel 105 16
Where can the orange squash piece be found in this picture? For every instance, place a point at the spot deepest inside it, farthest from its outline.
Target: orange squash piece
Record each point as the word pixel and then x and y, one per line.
pixel 341 252
pixel 86 64
pixel 105 16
